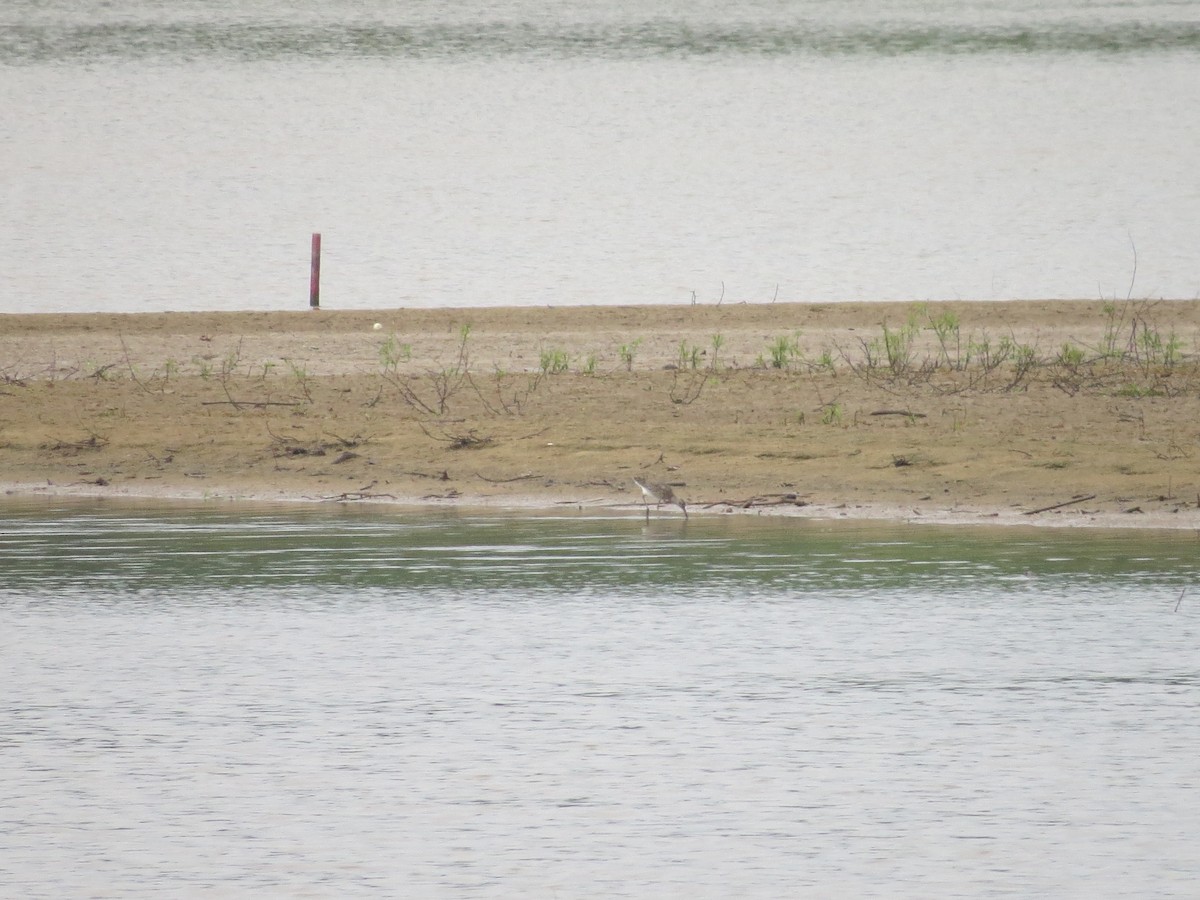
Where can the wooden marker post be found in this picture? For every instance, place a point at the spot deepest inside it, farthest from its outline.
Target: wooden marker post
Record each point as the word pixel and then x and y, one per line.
pixel 314 281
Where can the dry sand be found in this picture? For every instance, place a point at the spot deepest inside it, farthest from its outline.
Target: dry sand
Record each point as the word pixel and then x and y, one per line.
pixel 321 405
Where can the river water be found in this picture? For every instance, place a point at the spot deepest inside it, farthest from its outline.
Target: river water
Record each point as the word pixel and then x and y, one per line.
pixel 178 155
pixel 222 700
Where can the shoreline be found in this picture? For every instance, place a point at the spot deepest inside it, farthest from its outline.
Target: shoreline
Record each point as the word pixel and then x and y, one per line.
pixel 942 413
pixel 846 514
pixel 1069 516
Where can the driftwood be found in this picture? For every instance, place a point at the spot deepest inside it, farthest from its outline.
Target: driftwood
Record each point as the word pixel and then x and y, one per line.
pixel 452 494
pixel 757 501
pixel 250 403
pixel 524 477
pixel 1034 512
pixel 91 443
pixel 351 496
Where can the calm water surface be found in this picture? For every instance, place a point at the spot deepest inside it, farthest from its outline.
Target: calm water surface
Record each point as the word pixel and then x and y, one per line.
pixel 224 700
pixel 178 155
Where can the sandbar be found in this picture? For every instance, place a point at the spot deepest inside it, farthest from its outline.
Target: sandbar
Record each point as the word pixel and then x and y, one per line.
pixel 1056 412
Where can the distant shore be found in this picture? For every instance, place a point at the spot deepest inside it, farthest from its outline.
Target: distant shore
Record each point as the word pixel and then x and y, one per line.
pixel 1057 412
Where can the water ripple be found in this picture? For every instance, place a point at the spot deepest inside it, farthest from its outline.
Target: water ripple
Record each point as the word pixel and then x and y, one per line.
pixel 88 548
pixel 249 41
pixel 358 702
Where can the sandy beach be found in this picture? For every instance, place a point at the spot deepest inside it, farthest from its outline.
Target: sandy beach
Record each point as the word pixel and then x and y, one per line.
pixel 1061 413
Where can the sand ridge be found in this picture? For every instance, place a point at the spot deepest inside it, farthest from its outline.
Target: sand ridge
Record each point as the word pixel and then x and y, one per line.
pixel 1087 411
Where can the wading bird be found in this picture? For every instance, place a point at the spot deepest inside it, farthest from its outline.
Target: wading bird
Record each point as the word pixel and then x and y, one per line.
pixel 660 494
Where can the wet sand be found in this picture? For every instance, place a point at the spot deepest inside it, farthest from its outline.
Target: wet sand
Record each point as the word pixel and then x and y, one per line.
pixel 1064 412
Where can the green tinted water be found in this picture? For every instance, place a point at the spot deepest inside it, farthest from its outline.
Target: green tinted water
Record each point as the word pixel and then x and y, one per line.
pixel 75 546
pixel 277 700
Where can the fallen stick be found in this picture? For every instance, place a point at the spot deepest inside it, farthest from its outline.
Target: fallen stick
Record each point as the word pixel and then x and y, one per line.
pixel 754 502
pixel 249 402
pixel 524 477
pixel 352 496
pixel 1034 512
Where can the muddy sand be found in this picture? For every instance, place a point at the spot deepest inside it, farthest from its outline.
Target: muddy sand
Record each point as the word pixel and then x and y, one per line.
pixel 1031 412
